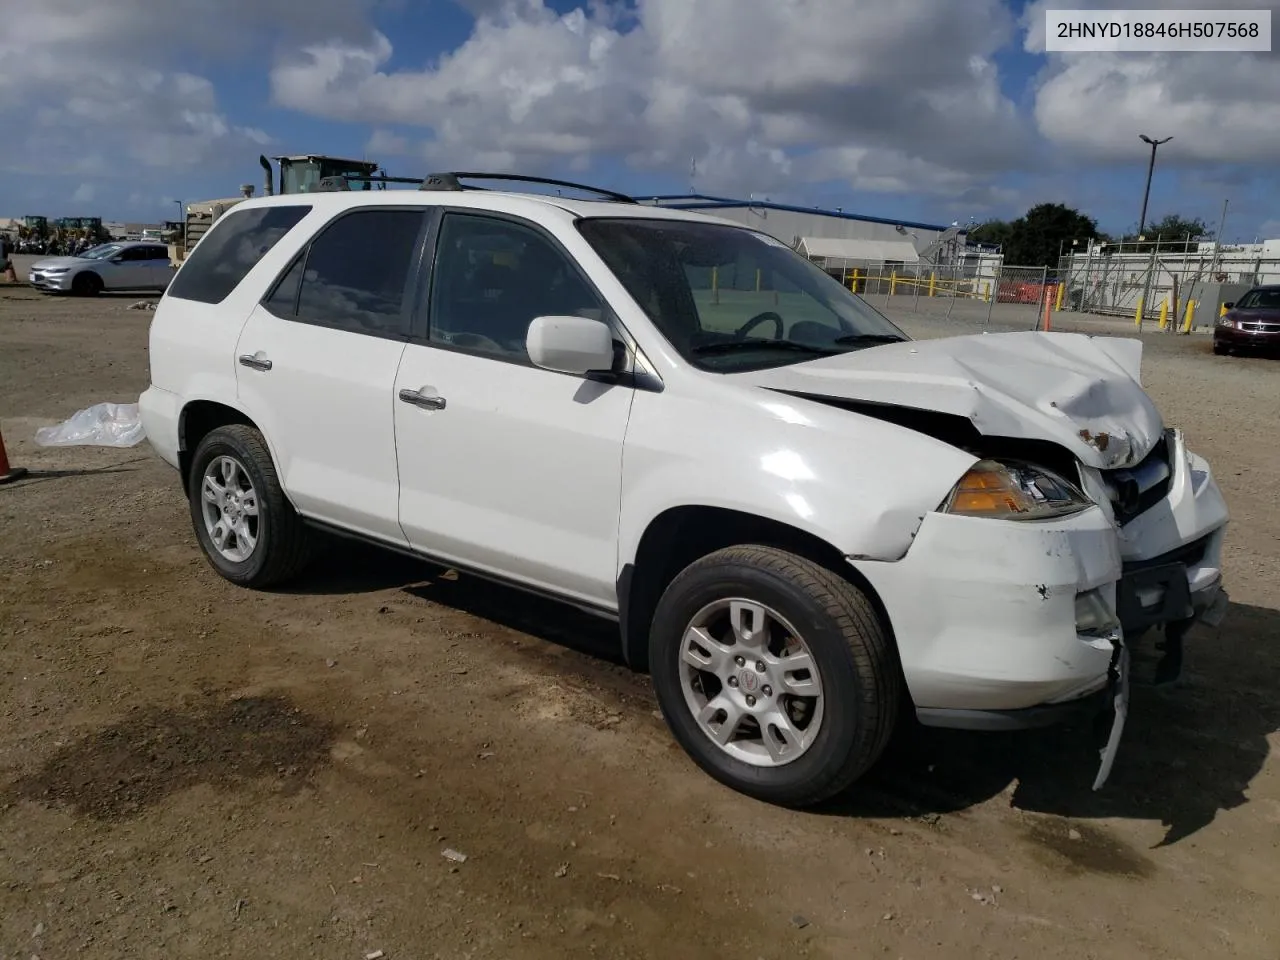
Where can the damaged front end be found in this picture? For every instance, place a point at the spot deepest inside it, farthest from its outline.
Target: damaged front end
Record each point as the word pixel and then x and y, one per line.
pixel 1073 405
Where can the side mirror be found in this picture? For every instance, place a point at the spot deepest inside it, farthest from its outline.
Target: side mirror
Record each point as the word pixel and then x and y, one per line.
pixel 1229 305
pixel 570 345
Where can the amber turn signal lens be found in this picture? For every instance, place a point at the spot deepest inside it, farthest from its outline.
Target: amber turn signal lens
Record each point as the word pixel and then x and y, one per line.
pixel 1013 491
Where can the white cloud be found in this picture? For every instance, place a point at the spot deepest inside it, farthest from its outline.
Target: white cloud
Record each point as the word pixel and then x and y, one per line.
pixel 84 193
pixel 1218 107
pixel 104 91
pixel 749 87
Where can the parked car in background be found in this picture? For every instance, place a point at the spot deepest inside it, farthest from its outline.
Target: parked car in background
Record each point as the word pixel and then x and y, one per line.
pixel 802 520
pixel 126 265
pixel 1251 323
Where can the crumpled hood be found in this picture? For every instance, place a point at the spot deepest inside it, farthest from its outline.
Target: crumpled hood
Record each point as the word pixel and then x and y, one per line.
pixel 48 262
pixel 1081 392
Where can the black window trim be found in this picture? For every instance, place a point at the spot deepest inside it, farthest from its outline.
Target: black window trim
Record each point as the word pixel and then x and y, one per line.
pixel 408 301
pixel 627 373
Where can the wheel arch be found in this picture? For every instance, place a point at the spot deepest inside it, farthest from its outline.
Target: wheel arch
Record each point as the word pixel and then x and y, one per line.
pixel 199 418
pixel 680 535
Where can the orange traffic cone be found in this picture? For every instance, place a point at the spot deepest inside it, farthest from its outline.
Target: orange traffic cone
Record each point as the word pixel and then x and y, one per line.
pixel 7 473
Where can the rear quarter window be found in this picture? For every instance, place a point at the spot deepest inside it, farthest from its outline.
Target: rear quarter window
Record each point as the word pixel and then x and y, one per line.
pixel 232 247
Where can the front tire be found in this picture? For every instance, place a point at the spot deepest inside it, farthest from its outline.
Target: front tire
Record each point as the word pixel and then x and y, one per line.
pixel 775 674
pixel 246 526
pixel 86 285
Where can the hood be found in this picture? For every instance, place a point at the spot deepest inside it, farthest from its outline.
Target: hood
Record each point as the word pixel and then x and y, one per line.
pixel 48 262
pixel 1080 392
pixel 1254 315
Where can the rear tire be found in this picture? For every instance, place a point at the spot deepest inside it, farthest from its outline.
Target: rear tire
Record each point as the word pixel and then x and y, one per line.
pixel 842 674
pixel 1221 349
pixel 246 526
pixel 86 285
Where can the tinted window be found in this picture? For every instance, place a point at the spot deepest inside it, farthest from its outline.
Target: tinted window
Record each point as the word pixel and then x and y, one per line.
pixel 232 247
pixel 283 301
pixel 158 253
pixel 492 277
pixel 357 269
pixel 133 254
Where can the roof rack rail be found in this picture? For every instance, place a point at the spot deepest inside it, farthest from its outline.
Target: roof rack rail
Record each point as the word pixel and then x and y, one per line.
pixel 344 181
pixel 451 181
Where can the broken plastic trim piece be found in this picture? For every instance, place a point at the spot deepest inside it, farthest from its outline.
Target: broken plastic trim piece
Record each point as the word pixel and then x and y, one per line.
pixel 1121 710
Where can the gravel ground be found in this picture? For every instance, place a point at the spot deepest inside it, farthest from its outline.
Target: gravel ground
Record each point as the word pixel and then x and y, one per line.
pixel 192 770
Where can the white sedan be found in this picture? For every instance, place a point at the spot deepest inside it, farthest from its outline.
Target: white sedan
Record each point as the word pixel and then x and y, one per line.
pixel 129 265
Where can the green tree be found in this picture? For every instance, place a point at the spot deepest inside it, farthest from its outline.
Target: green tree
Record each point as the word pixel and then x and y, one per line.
pixel 1172 232
pixel 992 232
pixel 1039 235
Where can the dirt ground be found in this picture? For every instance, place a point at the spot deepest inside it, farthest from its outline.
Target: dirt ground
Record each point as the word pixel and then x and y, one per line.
pixel 188 769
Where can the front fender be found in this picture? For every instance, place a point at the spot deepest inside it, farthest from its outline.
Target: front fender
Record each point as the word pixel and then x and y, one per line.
pixel 858 483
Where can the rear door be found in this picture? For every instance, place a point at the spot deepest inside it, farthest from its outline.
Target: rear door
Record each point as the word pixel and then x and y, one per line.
pixel 316 364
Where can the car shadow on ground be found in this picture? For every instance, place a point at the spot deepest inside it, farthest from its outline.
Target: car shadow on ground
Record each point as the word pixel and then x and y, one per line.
pixel 345 566
pixel 1189 750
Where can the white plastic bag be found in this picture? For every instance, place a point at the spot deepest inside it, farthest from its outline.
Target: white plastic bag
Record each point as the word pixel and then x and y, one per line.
pixel 102 425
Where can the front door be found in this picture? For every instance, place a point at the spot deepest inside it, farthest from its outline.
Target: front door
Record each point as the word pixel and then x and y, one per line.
pixel 131 272
pixel 506 467
pixel 317 360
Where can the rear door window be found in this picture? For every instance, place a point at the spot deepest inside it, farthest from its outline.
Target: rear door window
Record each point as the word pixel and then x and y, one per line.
pixel 233 246
pixel 356 274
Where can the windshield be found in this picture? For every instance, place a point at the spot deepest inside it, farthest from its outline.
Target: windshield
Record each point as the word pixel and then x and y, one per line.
pixel 731 299
pixel 100 252
pixel 1260 300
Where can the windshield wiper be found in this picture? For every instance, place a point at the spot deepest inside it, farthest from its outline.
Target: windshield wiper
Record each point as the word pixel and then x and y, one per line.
pixel 854 339
pixel 732 346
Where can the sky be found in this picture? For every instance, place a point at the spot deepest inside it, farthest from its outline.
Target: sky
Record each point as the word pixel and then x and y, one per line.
pixel 926 110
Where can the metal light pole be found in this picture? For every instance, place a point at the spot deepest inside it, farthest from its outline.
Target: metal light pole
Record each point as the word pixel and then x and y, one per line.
pixel 1142 221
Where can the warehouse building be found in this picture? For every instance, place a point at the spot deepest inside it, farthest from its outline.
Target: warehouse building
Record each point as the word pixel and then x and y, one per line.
pixel 832 238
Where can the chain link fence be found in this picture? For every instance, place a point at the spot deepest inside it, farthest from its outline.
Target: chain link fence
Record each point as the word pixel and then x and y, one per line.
pixel 1175 291
pixel 975 291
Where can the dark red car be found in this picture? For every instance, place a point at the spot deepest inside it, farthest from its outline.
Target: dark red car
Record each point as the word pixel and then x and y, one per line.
pixel 1251 323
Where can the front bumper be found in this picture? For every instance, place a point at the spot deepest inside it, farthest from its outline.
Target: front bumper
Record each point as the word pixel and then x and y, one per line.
pixel 1253 337
pixel 53 282
pixel 984 613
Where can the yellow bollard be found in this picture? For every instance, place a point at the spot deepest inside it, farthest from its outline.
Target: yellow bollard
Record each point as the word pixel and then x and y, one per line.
pixel 933 282
pixel 853 286
pixel 986 291
pixel 1057 304
pixel 1190 318
pixel 1222 309
pixel 893 283
pixel 1164 313
pixel 1137 314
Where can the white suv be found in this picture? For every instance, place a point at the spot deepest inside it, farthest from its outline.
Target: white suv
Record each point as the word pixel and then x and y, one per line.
pixel 803 521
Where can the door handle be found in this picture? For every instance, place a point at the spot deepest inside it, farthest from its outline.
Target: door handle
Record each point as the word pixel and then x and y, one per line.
pixel 249 360
pixel 420 399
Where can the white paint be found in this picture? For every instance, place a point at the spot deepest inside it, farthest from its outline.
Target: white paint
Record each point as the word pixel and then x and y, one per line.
pixel 551 480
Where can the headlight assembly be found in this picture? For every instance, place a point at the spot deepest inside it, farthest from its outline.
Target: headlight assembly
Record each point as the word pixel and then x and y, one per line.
pixel 1007 490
